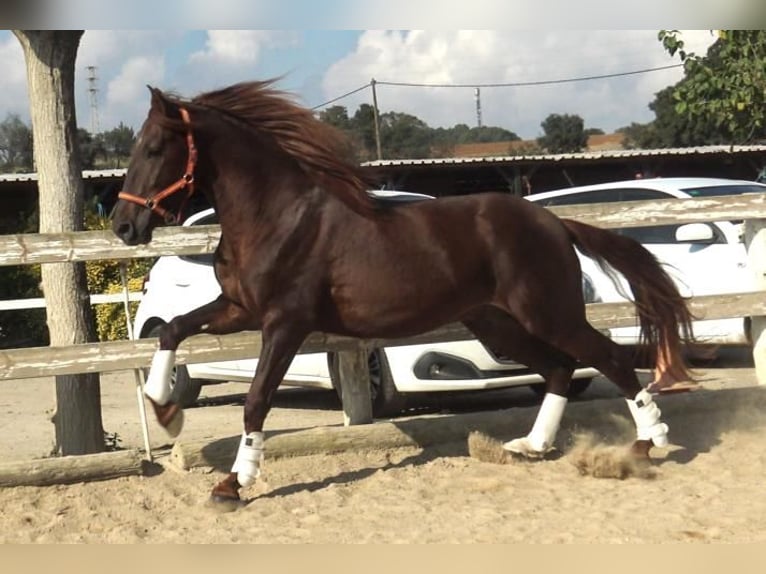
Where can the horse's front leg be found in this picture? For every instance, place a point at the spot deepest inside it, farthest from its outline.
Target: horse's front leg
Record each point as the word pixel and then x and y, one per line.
pixel 219 317
pixel 279 347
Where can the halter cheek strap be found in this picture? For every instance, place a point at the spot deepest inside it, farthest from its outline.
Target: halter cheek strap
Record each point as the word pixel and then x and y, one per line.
pixel 186 181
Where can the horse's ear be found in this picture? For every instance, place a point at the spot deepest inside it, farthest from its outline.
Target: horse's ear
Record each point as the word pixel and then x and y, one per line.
pixel 158 99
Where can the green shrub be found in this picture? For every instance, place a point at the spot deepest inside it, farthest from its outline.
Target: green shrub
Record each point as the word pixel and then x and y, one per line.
pixel 111 324
pixel 104 277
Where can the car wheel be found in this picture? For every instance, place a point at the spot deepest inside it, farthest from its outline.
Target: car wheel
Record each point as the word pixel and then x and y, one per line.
pixel 386 400
pixel 576 388
pixel 184 390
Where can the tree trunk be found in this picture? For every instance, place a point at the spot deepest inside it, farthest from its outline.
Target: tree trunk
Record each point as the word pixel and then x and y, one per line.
pixel 50 59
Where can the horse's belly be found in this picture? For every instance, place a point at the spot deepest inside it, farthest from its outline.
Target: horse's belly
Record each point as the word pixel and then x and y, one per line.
pixel 400 313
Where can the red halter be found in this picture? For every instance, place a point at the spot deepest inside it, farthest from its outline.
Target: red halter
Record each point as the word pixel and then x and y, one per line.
pixel 186 181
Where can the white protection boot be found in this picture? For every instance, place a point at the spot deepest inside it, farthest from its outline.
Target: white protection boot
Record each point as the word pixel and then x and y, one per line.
pixel 157 385
pixel 247 465
pixel 540 439
pixel 646 415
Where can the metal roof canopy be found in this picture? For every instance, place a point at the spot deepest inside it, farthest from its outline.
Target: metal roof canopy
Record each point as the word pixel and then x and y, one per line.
pixel 523 174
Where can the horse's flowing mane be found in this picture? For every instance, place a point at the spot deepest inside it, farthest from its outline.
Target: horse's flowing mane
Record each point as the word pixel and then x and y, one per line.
pixel 319 148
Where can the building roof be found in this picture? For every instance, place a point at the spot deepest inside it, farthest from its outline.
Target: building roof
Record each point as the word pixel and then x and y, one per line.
pixel 588 156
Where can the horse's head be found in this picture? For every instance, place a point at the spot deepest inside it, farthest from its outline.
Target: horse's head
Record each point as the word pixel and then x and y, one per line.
pixel 160 174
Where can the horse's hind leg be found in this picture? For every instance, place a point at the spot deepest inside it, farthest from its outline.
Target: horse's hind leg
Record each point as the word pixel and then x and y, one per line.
pixel 219 317
pixel 597 350
pixel 504 335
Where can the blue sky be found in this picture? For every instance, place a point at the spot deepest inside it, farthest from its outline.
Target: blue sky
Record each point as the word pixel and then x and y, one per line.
pixel 319 65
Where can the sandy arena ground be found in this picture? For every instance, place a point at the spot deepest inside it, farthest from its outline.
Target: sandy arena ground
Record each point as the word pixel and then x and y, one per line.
pixel 706 487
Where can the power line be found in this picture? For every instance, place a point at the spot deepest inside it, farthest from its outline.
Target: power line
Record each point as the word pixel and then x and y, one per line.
pixel 502 84
pixel 352 92
pixel 534 83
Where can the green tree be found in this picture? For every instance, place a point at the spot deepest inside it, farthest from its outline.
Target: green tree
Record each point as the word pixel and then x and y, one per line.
pixel 564 133
pixel 118 143
pixel 15 145
pixel 336 116
pixel 363 126
pixel 671 129
pixel 359 129
pixel 404 136
pixel 725 87
pixel 485 134
pixel 639 136
pixel 90 148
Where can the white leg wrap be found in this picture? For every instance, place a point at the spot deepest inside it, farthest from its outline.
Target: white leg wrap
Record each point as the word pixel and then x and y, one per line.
pixel 646 415
pixel 540 438
pixel 157 386
pixel 247 465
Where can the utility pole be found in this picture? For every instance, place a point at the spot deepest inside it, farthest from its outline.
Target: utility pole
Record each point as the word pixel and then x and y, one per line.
pixel 477 95
pixel 376 119
pixel 93 97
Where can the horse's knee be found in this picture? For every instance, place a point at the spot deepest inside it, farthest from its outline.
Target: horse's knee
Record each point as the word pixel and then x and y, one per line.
pixel 169 335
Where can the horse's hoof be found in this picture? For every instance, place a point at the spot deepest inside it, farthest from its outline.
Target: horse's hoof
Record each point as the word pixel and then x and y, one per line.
pixel 170 417
pixel 640 450
pixel 521 447
pixel 225 496
pixel 224 504
pixel 176 424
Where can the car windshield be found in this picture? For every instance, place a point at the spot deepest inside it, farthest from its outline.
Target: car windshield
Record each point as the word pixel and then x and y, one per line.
pixel 710 191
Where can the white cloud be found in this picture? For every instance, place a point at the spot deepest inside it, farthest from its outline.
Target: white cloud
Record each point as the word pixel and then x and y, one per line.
pixel 132 80
pixel 489 56
pixel 239 47
pixel 14 98
pixel 127 95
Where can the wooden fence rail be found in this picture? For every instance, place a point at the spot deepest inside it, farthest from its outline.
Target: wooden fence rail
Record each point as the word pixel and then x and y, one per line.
pixel 26 249
pixel 120 355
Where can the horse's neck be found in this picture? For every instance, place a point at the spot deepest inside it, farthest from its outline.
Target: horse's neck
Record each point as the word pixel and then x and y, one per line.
pixel 255 215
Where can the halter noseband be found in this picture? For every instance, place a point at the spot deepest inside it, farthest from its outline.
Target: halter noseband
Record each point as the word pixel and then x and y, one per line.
pixel 186 181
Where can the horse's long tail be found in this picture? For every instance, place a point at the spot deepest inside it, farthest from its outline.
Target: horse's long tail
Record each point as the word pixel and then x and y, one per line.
pixel 663 314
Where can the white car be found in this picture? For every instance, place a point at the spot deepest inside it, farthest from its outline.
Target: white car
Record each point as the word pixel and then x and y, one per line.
pixel 179 284
pixel 703 258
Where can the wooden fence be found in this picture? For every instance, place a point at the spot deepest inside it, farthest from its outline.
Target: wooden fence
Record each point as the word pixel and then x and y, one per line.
pixel 120 355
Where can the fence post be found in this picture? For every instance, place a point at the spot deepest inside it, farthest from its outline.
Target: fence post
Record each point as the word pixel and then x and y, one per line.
pixel 355 386
pixel 755 241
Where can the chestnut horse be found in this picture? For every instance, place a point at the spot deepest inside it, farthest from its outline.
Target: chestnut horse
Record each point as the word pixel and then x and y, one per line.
pixel 303 248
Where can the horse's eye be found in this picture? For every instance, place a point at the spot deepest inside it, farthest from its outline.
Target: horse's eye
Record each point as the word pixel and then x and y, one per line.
pixel 153 151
